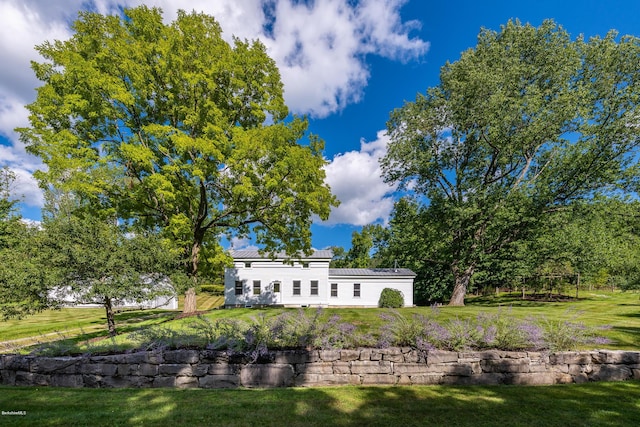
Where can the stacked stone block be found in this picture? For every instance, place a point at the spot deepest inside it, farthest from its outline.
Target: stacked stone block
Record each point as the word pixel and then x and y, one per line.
pixel 366 366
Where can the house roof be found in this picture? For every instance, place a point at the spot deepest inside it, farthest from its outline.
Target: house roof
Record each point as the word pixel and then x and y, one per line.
pixel 371 272
pixel 254 254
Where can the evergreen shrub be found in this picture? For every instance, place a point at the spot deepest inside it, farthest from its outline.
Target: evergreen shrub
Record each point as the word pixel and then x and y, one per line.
pixel 391 298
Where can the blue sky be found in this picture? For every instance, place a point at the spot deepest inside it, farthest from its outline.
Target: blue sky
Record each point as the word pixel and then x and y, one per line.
pixel 384 53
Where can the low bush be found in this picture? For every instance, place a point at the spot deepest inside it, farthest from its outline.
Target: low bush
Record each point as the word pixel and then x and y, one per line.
pixel 312 329
pixel 500 331
pixel 391 298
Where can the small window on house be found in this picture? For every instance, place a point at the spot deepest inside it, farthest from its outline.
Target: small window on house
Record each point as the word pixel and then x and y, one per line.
pixel 356 290
pixel 239 287
pixel 305 265
pixel 296 287
pixel 256 287
pixel 314 287
pixel 334 289
pixel 247 265
pixel 276 286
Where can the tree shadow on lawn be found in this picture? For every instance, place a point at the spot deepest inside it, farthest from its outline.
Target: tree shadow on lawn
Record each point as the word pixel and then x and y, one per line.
pixel 517 301
pixel 629 339
pixel 138 316
pixel 606 404
pixel 126 322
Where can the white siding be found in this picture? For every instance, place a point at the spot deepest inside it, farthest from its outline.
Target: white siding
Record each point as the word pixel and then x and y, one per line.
pixel 370 289
pixel 268 272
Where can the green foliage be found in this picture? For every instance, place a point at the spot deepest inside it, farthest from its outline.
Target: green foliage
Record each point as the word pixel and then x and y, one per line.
pixel 96 261
pixel 568 333
pixel 300 329
pixel 23 280
pixel 391 298
pixel 399 330
pixel 500 331
pixel 170 126
pixel 527 122
pixel 360 255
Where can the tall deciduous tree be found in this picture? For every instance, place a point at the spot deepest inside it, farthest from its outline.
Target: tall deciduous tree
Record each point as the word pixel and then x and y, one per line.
pixel 528 121
pixel 23 281
pixel 96 261
pixel 175 128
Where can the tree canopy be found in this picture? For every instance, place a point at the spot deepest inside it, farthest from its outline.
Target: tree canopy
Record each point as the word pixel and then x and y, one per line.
pixel 23 283
pixel 96 261
pixel 175 129
pixel 525 123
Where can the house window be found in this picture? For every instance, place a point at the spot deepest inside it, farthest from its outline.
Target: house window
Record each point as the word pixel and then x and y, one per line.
pixel 356 290
pixel 314 287
pixel 334 289
pixel 256 287
pixel 305 265
pixel 296 287
pixel 276 286
pixel 247 265
pixel 239 287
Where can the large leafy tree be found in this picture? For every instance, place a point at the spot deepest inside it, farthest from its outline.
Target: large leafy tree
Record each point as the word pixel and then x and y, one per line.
pixel 23 280
pixel 526 122
pixel 412 240
pixel 173 127
pixel 96 261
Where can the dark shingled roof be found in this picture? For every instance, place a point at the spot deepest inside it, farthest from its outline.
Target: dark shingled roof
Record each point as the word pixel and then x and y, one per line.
pixel 254 254
pixel 371 272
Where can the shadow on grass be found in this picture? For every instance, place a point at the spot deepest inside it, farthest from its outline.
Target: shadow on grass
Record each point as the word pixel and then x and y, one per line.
pixel 138 316
pixel 629 337
pixel 594 404
pixel 517 301
pixel 126 322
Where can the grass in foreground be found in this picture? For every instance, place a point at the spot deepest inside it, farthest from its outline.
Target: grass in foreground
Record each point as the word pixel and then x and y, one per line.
pixel 591 404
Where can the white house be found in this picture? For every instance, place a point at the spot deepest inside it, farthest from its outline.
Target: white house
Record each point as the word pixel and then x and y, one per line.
pixel 258 280
pixel 167 299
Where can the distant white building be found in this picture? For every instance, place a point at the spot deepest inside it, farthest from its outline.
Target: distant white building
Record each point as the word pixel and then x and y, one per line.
pixel 167 300
pixel 257 280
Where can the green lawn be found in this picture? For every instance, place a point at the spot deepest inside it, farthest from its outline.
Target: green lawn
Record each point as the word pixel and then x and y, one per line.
pixel 619 310
pixel 592 404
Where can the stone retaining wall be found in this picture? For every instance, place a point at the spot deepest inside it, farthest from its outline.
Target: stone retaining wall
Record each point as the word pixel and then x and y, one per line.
pixel 401 366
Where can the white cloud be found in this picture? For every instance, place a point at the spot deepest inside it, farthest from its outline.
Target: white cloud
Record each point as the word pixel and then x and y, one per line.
pixel 26 187
pixel 241 243
pixel 24 24
pixel 321 48
pixel 355 179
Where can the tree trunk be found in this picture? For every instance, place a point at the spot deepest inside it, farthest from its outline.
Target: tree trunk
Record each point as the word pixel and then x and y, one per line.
pixel 111 320
pixel 190 300
pixel 461 285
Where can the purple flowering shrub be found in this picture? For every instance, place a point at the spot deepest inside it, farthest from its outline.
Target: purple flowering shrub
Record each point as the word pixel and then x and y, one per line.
pixel 503 331
pixel 398 330
pixel 563 335
pixel 500 331
pixel 289 330
pixel 312 329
